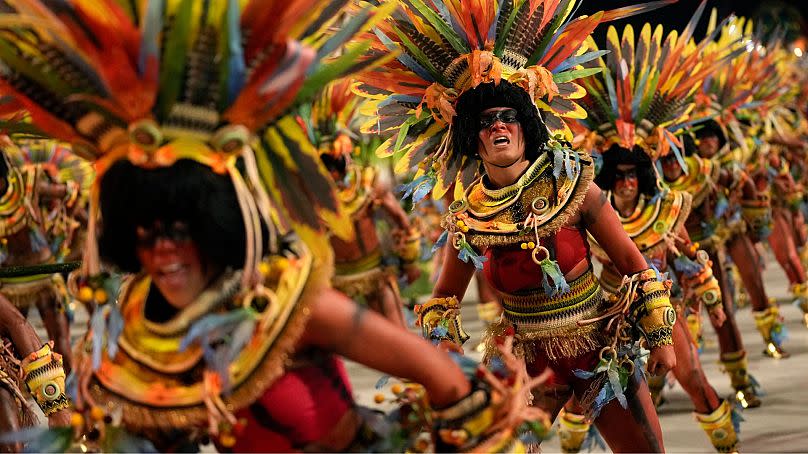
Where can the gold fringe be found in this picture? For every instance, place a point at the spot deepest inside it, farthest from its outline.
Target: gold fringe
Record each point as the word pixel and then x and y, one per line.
pixel 569 344
pixel 360 284
pixel 562 218
pixel 26 294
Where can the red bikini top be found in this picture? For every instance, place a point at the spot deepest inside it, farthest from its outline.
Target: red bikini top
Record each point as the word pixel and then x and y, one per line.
pixel 510 269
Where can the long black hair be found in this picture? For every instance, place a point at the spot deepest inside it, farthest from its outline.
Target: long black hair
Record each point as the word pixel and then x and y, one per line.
pixel 466 126
pixel 187 191
pixel 617 155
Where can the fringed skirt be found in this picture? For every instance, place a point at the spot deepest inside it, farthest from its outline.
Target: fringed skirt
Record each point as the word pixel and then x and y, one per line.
pixel 548 326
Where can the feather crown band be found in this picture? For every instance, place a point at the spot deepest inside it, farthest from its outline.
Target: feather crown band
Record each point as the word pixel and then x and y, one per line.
pixel 450 46
pixel 646 89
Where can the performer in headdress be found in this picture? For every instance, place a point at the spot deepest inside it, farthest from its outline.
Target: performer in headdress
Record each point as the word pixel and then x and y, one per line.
pixel 634 105
pixel 361 271
pixel 229 328
pixel 466 95
pixel 37 225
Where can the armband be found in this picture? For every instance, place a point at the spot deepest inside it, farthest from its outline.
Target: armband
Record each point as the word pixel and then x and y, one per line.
pixel 407 245
pixel 439 319
pixel 698 277
pixel 45 379
pixel 651 310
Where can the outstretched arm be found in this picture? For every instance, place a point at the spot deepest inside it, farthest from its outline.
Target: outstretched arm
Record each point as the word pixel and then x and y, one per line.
pixel 602 222
pixel 339 325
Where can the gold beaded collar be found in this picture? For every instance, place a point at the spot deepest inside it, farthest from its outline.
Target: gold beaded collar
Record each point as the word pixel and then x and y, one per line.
pixel 529 207
pixel 700 179
pixel 652 225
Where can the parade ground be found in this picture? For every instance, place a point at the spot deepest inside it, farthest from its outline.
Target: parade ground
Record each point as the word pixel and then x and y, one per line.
pixel 777 426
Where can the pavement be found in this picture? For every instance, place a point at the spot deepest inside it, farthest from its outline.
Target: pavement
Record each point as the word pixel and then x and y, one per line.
pixel 779 425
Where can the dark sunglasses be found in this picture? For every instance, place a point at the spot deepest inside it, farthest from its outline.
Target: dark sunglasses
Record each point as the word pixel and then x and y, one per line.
pixel 625 174
pixel 506 116
pixel 178 232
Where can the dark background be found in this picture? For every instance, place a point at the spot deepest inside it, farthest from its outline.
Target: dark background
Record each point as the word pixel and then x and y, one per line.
pixel 789 16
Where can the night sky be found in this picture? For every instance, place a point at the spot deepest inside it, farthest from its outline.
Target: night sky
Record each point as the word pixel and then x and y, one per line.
pixel 677 14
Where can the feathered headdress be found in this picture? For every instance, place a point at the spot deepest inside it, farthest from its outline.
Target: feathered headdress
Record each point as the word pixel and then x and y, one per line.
pixel 646 89
pixel 450 46
pixel 331 119
pixel 207 81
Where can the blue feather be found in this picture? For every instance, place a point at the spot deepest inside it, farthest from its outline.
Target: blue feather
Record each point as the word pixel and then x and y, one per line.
pixel 405 59
pixel 237 69
pixel 442 239
pixel 114 329
pixel 98 323
pixel 382 382
pixel 152 28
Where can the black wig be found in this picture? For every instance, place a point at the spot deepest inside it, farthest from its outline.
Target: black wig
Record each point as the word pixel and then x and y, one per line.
pixel 617 155
pixel 466 126
pixel 188 192
pixel 689 144
pixel 332 164
pixel 711 128
pixel 3 166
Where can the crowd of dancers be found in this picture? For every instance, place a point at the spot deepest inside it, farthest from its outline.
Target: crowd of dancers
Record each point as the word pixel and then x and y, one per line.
pixel 241 193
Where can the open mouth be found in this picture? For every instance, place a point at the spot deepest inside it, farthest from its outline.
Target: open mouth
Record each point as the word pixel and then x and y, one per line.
pixel 171 273
pixel 501 140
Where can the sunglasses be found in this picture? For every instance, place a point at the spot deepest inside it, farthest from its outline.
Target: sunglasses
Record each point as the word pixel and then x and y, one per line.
pixel 147 237
pixel 506 116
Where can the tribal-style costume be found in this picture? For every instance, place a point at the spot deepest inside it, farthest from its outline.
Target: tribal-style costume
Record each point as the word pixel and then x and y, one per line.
pixel 201 91
pixel 206 83
pixel 632 124
pixel 362 271
pixel 525 236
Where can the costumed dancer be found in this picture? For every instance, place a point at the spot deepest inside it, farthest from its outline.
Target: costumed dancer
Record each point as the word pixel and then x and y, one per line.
pixel 361 272
pixel 773 94
pixel 745 211
pixel 228 329
pixel 36 225
pixel 27 364
pixel 468 87
pixel 628 121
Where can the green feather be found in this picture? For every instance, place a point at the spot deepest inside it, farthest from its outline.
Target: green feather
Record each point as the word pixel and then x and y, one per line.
pixel 40 73
pixel 420 56
pixel 567 76
pixel 172 65
pixel 500 44
pixel 549 32
pixel 443 29
pixel 332 70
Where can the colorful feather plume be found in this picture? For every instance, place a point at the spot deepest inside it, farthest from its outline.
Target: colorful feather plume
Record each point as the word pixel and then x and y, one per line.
pixel 105 76
pixel 449 46
pixel 645 88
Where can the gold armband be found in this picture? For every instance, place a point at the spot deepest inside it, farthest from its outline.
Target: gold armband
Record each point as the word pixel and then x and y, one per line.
pixel 703 283
pixel 45 379
pixel 652 311
pixel 439 319
pixel 407 245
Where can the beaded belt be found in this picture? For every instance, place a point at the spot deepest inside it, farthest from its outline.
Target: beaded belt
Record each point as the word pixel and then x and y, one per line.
pixel 551 323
